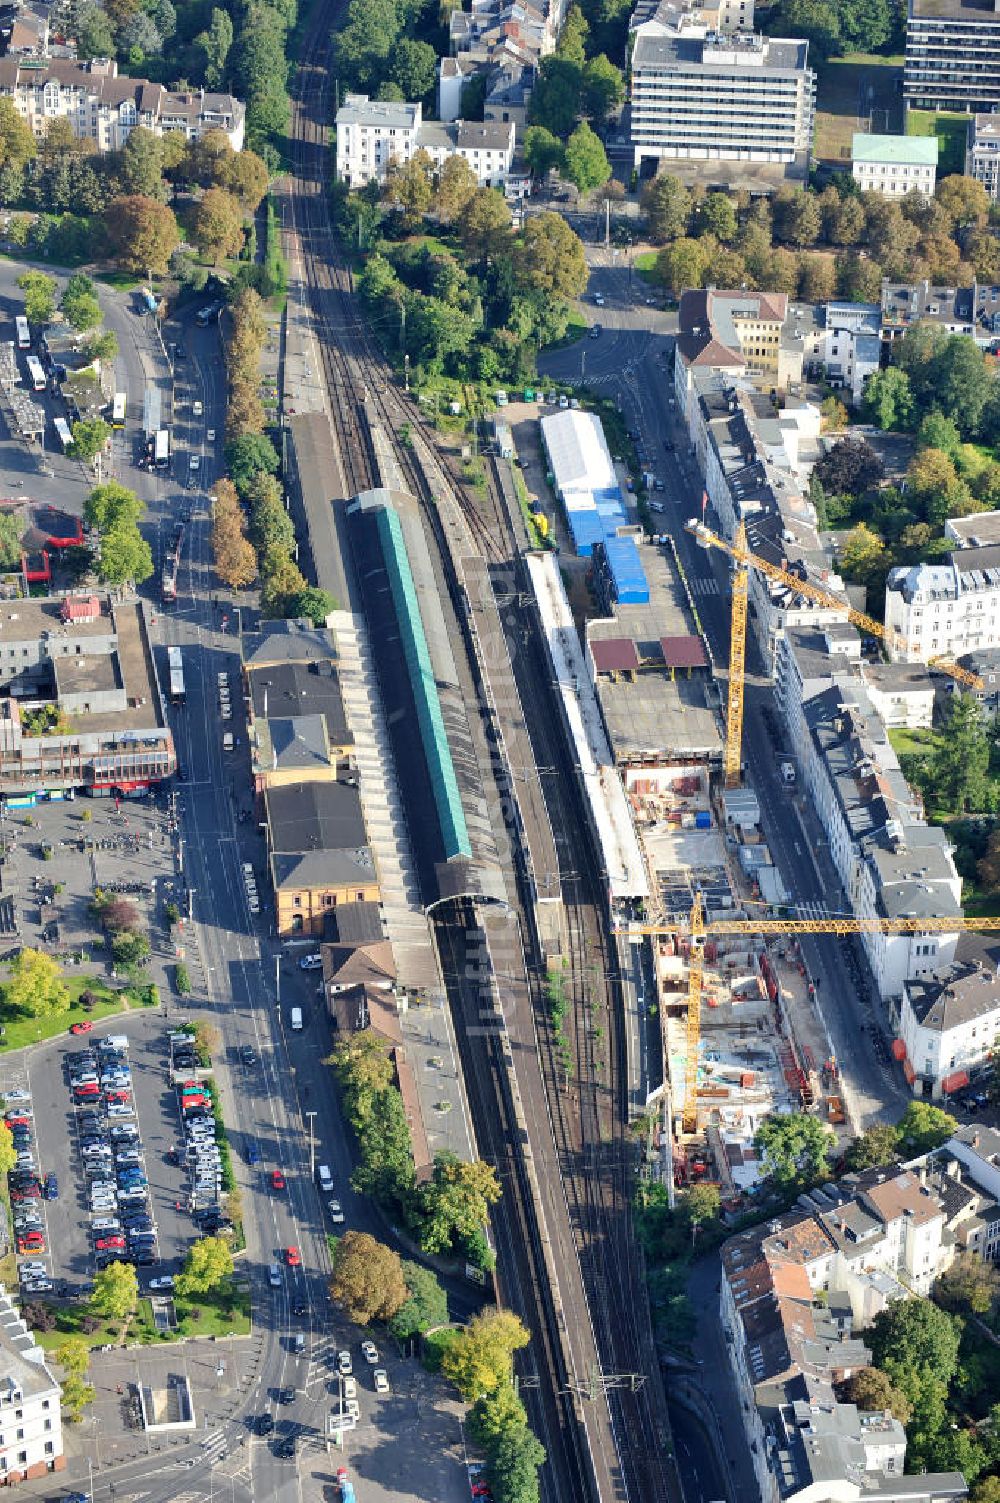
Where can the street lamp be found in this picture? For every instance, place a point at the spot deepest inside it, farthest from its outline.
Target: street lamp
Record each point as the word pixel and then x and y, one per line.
pixel 310 1116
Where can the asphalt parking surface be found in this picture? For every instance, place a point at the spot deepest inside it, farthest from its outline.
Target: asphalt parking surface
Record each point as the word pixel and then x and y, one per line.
pixel 70 1242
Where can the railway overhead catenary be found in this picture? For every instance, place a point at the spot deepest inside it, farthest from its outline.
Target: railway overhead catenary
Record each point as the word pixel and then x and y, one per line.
pixel 698 929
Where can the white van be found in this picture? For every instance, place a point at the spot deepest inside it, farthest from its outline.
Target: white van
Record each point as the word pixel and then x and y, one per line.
pixel 324 1178
pixel 296 1019
pixel 227 741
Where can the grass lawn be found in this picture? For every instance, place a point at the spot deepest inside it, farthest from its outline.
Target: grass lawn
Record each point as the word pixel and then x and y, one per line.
pixel 856 92
pixel 8 1264
pixel 19 1031
pixel 645 264
pixel 221 1313
pixel 951 131
pixel 124 281
pixel 906 743
pixel 575 331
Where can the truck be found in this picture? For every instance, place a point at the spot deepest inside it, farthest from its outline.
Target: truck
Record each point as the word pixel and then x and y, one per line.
pixel 345 1485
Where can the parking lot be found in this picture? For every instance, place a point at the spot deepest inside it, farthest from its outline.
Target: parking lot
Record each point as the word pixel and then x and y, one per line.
pixel 60 1132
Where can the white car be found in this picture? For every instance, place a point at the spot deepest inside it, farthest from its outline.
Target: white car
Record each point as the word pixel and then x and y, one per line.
pixel 105 1224
pixel 195 461
pixel 165 1282
pixel 336 1212
pixel 311 963
pixel 197 409
pixel 223 680
pixel 274 1276
pixel 227 712
pixel 345 1366
pixel 33 1270
pixel 119 1109
pixel 210 435
pixel 9 1096
pixel 381 1380
pixel 350 1388
pixel 370 1353
pixel 37 1286
pixel 254 906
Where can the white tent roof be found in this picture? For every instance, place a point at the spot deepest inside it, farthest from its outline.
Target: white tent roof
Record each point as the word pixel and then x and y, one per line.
pixel 578 451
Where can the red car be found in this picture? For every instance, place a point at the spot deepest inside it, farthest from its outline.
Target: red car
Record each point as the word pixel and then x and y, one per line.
pixel 83 1027
pixel 105 1244
pixel 292 1257
pixel 27 1192
pixel 86 1092
pixel 277 1180
pixel 15 1121
pixel 120 1098
pixel 480 1490
pixel 31 1242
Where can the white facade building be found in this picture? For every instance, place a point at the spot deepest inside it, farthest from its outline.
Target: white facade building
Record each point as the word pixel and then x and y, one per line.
pixel 894 165
pixel 705 96
pixel 31 1443
pixel 105 109
pixel 945 609
pixel 982 152
pixel 374 134
pixel 950 1023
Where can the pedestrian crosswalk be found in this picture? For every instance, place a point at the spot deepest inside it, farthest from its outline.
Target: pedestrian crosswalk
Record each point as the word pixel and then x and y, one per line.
pixel 704 586
pixel 813 909
pixel 215 1445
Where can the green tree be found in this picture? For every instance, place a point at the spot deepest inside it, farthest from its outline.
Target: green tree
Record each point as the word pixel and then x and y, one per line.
pixel 700 1205
pixel 666 204
pixel 8 1153
pixel 367 1278
pixel 550 258
pixel 217 226
pixel 39 296
pixel 455 1202
pixel 484 224
pixel 512 1469
pixel 555 98
pixel 111 505
pixel 863 555
pixel 923 1127
pixel 603 88
pixel 970 1285
pixel 456 187
pixel 496 1412
pixel 409 188
pixel 425 1306
pixel 964 200
pixel 877 1145
pixel 848 222
pixel 939 432
pixel 17 143
pixel 683 264
pixel 282 583
pixel 414 68
pixel 73 1356
pixel 960 762
pixel 36 987
pixel 816 20
pixel 314 605
pixel 75 1395
pixel 718 215
pixel 130 952
pixel 79 303
pixel 102 345
pixel 586 162
pixel 11 539
pixel 89 438
pixel 142 233
pixel 912 1340
pixel 797 216
pixel 794 1148
pixel 542 151
pixel 116 1291
pixel 888 399
pixel 215 44
pixel 871 1389
pixel 482 1357
pixel 208 1264
pixel 245 178
pixel 141 164
pixel 124 556
pixel 271 526
pixel 572 43
pixel 859 278
pixel 250 456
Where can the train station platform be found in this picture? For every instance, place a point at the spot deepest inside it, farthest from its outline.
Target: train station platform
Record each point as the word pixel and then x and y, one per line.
pixel 611 816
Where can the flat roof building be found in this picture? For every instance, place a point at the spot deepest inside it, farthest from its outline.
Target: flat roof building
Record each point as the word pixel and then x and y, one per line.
pixel 703 95
pixel 952 55
pixel 982 152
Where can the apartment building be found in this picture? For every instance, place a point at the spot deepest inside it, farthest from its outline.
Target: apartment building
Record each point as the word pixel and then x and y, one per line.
pixel 31 1442
pixel 894 165
pixel 952 55
pixel 982 152
pixel 794 1296
pixel 701 95
pixel 104 108
pixel 949 1022
pixel 849 346
pixel 374 134
pixel 944 609
pixel 503 41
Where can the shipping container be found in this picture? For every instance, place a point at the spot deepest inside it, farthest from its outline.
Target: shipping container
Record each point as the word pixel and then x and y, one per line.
pixel 623 568
pixel 586 530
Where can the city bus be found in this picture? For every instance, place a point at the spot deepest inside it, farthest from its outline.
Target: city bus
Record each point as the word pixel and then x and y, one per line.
pixel 63 433
pixel 36 375
pixel 118 410
pixel 23 333
pixel 177 694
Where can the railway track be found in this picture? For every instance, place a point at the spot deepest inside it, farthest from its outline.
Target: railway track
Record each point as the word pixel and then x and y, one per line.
pixel 590 1117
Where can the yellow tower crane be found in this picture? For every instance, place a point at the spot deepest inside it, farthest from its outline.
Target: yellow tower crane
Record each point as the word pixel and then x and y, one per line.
pixel 698 930
pixel 740 553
